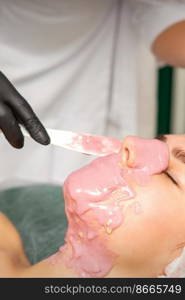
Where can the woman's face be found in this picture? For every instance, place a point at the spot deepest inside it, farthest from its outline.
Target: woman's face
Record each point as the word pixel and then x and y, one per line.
pixel 151 233
pixel 156 231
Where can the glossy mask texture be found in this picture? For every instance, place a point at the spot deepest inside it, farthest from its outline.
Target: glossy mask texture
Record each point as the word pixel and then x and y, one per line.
pixel 95 197
pixel 96 144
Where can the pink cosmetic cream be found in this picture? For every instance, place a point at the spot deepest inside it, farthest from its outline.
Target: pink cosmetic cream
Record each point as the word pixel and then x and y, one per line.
pixel 94 198
pixel 95 144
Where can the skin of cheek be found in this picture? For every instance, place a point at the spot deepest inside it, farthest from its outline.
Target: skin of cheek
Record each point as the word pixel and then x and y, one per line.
pixel 156 230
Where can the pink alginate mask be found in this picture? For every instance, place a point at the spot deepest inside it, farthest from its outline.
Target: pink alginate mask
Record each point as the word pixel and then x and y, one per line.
pixel 94 199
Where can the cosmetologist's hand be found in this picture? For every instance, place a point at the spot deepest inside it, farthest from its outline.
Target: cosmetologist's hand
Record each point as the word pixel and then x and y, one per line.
pixel 15 110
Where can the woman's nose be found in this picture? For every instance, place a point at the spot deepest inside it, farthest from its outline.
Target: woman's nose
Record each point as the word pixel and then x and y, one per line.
pixel 151 154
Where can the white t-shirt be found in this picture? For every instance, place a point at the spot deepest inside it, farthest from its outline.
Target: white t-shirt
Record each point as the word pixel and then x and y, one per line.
pixel 84 66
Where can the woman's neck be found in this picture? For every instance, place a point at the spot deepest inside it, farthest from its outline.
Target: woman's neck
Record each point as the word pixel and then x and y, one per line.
pixel 62 267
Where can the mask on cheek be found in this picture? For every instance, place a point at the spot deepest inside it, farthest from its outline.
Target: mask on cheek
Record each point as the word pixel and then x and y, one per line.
pixel 99 190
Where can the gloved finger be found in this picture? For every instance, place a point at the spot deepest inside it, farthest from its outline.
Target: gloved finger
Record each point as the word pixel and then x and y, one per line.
pixel 28 118
pixel 10 127
pixel 22 111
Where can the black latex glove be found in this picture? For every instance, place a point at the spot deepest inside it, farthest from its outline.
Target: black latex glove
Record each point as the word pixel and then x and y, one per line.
pixel 14 109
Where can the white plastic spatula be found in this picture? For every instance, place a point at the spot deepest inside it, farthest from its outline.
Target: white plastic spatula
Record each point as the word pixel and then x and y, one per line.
pixel 84 143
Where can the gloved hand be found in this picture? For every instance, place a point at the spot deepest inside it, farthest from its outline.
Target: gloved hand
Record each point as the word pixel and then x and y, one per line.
pixel 14 109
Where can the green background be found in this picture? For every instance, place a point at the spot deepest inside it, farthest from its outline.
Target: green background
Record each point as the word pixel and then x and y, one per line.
pixel 164 99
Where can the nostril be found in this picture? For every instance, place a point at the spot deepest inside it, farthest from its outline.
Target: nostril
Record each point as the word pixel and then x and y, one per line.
pixel 125 156
pixel 126 153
